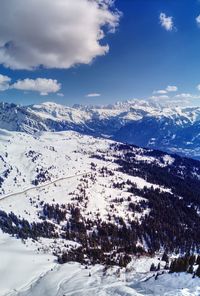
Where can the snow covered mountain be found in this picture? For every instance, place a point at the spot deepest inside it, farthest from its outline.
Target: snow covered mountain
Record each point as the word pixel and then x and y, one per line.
pixel 76 198
pixel 172 129
pixel 53 117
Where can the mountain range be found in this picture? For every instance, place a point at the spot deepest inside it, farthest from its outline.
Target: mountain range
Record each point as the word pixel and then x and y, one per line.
pixel 171 129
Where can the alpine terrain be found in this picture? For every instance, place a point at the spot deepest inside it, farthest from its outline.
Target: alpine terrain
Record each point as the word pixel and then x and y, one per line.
pixel 84 215
pixel 99 148
pixel 143 123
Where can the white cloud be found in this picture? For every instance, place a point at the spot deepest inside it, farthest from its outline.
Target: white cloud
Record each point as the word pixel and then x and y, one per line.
pixel 54 34
pixel 171 88
pixel 198 20
pixel 60 94
pixel 166 22
pixel 175 99
pixel 42 85
pixel 198 86
pixel 160 92
pixel 4 82
pixel 185 96
pixel 162 97
pixel 182 99
pixel 92 95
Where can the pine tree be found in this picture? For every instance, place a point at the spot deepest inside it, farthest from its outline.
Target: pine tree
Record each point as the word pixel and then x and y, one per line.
pixel 152 268
pixel 198 271
pixel 192 259
pixel 165 257
pixel 198 260
pixel 190 269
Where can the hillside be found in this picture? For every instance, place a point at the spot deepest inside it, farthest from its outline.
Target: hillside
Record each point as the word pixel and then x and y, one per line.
pixel 99 184
pixel 96 201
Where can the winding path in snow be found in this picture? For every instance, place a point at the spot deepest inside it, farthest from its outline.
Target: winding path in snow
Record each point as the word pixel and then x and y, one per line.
pixel 45 185
pixel 42 186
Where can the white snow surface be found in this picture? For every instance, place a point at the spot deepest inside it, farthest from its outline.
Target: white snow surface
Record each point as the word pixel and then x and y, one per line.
pixel 29 268
pixel 67 158
pixel 26 272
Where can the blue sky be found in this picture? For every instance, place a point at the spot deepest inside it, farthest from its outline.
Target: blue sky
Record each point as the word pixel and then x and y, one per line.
pixel 143 57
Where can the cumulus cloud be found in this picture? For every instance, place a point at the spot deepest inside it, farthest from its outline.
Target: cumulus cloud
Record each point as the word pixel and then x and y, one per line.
pixel 60 94
pixel 160 92
pixel 181 99
pixel 4 82
pixel 42 85
pixel 92 95
pixel 172 88
pixel 198 20
pixel 54 34
pixel 186 96
pixel 169 88
pixel 166 22
pixel 162 97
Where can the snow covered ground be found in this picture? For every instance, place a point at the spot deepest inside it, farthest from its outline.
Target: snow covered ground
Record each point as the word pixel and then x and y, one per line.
pixel 20 264
pixel 66 157
pixel 28 268
pixel 26 272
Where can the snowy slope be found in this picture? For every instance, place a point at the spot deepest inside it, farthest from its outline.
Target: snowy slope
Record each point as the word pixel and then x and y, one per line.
pixel 26 272
pixel 67 167
pixel 20 264
pixel 65 161
pixel 110 184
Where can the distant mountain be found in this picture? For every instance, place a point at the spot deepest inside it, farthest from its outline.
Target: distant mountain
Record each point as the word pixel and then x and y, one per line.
pixel 136 122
